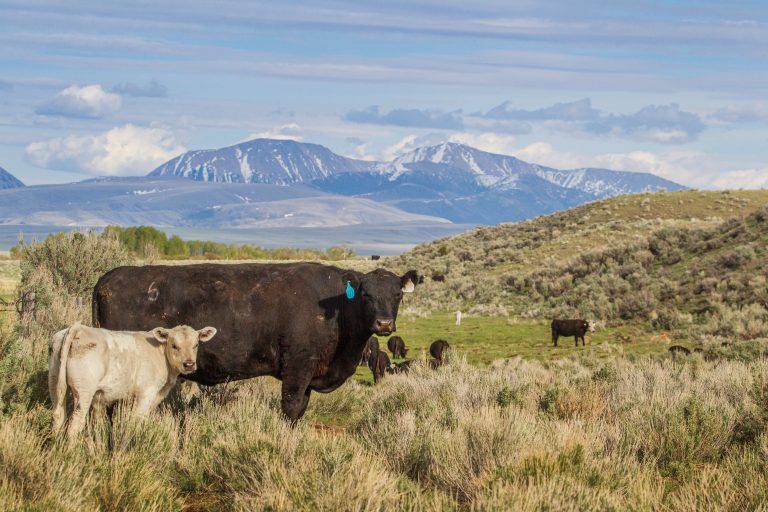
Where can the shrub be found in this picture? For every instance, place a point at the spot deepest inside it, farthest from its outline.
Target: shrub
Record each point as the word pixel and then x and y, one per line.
pixel 68 263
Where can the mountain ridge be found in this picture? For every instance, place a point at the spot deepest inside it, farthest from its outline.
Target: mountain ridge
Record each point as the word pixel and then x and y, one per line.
pixel 8 180
pixel 451 180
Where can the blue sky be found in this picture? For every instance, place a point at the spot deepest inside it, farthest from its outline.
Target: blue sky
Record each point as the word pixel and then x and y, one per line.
pixel 116 88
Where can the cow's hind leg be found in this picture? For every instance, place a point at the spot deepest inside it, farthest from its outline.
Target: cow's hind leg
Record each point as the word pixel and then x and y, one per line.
pixel 554 338
pixel 83 400
pixel 58 406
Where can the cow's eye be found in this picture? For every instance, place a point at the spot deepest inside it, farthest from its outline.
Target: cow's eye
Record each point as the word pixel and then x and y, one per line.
pixel 175 347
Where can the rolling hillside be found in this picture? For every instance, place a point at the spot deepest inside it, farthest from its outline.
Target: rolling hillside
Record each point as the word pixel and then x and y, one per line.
pixel 695 260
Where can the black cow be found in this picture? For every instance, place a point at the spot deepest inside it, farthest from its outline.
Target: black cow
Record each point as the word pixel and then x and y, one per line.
pixel 679 349
pixel 576 328
pixel 303 323
pixel 401 367
pixel 375 257
pixel 396 345
pixel 438 348
pixel 435 363
pixel 438 278
pixel 371 347
pixel 379 364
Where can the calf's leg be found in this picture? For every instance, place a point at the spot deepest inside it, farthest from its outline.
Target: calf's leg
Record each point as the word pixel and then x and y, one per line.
pixel 83 399
pixel 59 406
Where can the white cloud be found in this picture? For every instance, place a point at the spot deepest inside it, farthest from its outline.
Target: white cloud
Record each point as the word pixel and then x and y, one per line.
pixel 743 113
pixel 409 143
pixel 743 178
pixel 290 131
pixel 488 141
pixel 361 152
pixel 89 101
pixel 122 151
pixel 689 168
pixel 543 153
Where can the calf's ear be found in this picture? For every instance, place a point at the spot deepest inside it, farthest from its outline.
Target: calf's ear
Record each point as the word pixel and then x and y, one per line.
pixel 409 281
pixel 206 333
pixel 160 334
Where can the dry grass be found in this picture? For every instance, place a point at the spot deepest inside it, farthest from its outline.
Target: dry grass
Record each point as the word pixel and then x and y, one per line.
pixel 629 432
pixel 657 433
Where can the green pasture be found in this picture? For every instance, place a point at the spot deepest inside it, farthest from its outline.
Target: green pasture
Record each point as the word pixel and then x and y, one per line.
pixel 484 339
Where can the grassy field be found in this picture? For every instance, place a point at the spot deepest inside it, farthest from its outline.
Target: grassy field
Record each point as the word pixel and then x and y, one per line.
pixel 484 339
pixel 509 423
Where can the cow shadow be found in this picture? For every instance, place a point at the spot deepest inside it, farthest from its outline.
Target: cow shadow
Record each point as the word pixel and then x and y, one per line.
pixel 332 306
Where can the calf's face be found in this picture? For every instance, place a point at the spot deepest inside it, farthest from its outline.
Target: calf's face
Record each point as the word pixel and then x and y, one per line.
pixel 181 343
pixel 380 293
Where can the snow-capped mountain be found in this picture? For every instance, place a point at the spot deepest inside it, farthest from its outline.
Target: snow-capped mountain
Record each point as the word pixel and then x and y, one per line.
pixel 501 172
pixel 267 161
pixel 8 180
pixel 452 181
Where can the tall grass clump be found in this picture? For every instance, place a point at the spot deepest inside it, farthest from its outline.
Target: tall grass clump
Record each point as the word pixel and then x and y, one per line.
pixel 61 272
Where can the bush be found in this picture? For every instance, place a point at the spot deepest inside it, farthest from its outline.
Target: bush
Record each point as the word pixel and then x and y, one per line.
pixel 70 263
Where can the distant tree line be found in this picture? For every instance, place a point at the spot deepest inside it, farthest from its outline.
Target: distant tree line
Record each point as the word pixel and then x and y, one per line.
pixel 149 242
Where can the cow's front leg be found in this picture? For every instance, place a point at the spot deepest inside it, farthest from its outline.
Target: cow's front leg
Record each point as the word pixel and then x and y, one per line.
pixel 145 402
pixel 295 395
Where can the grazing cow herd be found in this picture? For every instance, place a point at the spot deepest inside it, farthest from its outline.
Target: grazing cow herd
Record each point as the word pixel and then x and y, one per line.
pixel 379 363
pixel 307 324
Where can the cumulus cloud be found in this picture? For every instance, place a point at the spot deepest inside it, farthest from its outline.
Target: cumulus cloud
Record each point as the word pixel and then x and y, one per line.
pixel 360 149
pixel 489 141
pixel 579 110
pixel 290 131
pixel 410 118
pixel 665 124
pixel 153 89
pixel 743 178
pixel 409 143
pixel 743 113
pixel 122 151
pixel 89 102
pixel 690 168
pixel 543 153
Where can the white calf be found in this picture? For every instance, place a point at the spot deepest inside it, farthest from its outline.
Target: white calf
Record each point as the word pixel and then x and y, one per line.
pixel 110 366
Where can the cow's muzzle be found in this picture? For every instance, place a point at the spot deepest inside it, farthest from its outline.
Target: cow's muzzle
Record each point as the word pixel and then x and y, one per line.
pixel 189 366
pixel 384 326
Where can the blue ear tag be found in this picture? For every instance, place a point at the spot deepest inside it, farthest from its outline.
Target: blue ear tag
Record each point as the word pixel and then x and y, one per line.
pixel 350 291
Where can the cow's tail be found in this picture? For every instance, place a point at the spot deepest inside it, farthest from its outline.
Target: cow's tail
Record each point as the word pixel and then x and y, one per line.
pixel 61 383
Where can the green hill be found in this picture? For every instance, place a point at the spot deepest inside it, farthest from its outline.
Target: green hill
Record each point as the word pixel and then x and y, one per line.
pixel 683 260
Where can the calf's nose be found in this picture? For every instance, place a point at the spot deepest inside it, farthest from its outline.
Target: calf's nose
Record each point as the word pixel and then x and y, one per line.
pixel 189 365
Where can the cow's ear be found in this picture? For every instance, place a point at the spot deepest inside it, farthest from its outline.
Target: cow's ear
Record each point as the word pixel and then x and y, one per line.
pixel 409 281
pixel 160 334
pixel 351 284
pixel 206 333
